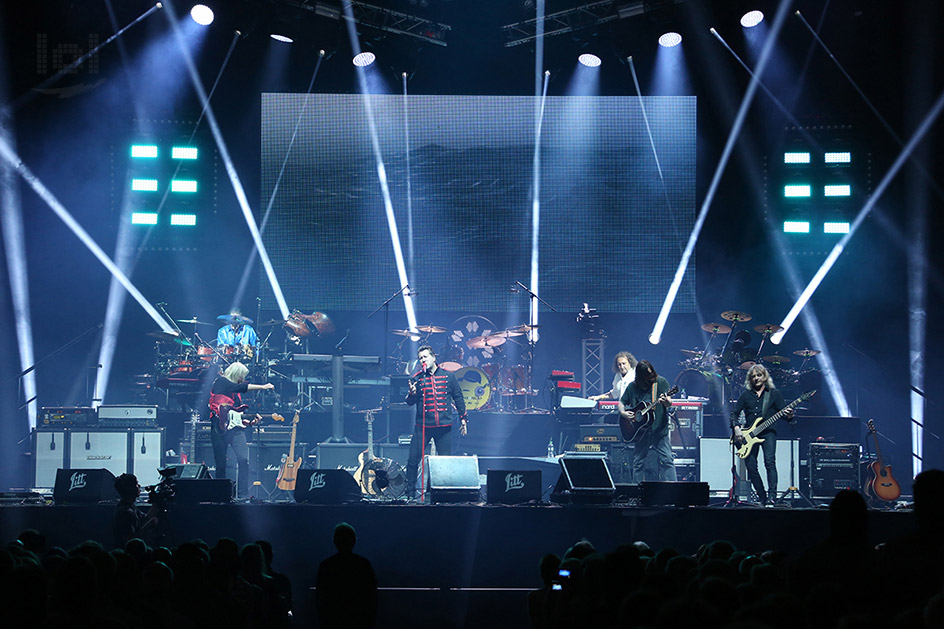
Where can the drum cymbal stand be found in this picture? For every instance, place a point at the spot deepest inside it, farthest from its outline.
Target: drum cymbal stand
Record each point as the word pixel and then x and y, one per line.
pixel 385 306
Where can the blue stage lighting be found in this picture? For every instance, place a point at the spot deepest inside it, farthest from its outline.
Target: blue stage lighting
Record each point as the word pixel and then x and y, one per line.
pixel 796 190
pixel 188 220
pixel 590 60
pixel 752 19
pixel 796 227
pixel 184 152
pixel 143 150
pixel 670 39
pixel 835 228
pixel 201 14
pixel 796 158
pixel 144 218
pixel 837 190
pixel 183 185
pixel 837 158
pixel 282 38
pixel 144 185
pixel 364 59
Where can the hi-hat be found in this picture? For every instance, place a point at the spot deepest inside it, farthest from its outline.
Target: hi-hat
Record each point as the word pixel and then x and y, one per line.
pixel 806 353
pixel 716 328
pixel 272 322
pixel 776 359
pixel 768 328
pixel 734 315
pixel 171 337
pixel 403 332
pixel 525 327
pixel 481 342
pixel 234 319
pixel 432 329
pixel 193 321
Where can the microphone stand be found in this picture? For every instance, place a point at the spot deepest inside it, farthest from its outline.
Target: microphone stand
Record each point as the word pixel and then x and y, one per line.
pixel 386 308
pixel 531 343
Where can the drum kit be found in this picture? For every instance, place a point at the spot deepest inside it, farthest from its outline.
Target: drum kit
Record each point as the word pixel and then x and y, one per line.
pixel 719 374
pixel 473 351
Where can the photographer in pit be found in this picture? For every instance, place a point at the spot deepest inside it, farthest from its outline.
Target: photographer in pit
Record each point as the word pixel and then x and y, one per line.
pixel 129 521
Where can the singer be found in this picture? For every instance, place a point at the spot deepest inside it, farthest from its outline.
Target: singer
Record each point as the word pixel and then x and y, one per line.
pixel 430 390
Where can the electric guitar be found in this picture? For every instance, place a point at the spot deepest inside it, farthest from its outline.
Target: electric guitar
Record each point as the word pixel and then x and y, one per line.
pixel 232 417
pixel 291 465
pixel 883 485
pixel 633 429
pixel 749 439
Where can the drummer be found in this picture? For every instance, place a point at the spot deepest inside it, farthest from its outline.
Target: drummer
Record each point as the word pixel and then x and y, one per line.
pixel 237 331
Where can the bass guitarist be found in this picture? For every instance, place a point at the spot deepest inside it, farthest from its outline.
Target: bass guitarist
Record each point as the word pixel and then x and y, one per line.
pixel 225 397
pixel 760 399
pixel 649 388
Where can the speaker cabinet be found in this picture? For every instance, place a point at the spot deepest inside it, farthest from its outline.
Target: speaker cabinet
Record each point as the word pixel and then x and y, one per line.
pixel 326 486
pixel 339 456
pixel 99 449
pixel 715 466
pixel 453 478
pixel 619 460
pixel 84 486
pixel 265 460
pixel 147 453
pixel 49 454
pixel 511 487
pixel 584 480
pixel 120 450
pixel 833 467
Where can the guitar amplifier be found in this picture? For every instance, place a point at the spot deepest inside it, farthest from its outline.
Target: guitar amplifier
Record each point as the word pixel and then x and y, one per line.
pixel 833 467
pixel 67 416
pixel 265 460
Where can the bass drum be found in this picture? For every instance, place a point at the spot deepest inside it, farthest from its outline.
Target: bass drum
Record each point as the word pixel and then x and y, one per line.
pixel 450 358
pixel 475 387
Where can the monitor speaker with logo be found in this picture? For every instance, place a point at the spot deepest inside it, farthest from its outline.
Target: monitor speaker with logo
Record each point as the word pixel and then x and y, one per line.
pixel 84 486
pixel 511 487
pixel 584 480
pixel 326 487
pixel 194 490
pixel 453 479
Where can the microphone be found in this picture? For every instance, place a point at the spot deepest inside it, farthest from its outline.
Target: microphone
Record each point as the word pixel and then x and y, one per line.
pixel 514 289
pixel 88 444
pixel 161 304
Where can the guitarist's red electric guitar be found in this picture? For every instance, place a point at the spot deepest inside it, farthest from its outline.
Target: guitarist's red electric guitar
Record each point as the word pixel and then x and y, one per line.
pixel 883 485
pixel 633 429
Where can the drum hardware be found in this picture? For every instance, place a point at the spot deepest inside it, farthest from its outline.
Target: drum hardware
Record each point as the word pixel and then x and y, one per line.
pixel 806 353
pixel 766 330
pixel 716 328
pixel 171 337
pixel 272 322
pixel 193 321
pixel 431 329
pixel 413 335
pixel 450 357
pixel 777 360
pixel 234 319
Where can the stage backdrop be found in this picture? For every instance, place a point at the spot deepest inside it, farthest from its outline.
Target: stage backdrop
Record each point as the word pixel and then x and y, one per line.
pixel 613 219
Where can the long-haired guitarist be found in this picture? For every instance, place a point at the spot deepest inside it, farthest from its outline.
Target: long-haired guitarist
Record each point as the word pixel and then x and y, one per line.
pixel 760 399
pixel 225 397
pixel 649 388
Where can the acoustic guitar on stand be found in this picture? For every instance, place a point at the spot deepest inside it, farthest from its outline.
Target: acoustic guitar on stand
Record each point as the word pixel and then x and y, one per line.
pixel 883 485
pixel 288 473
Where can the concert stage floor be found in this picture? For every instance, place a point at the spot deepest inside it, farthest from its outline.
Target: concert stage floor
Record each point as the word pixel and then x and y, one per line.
pixel 453 565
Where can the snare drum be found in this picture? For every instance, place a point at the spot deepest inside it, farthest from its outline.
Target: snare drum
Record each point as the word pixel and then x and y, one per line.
pixel 475 387
pixel 205 353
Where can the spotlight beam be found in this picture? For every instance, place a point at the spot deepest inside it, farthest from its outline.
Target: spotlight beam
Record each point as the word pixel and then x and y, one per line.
pixel 652 142
pixel 533 305
pixel 409 178
pixel 75 64
pixel 879 191
pixel 918 166
pixel 8 154
pixel 656 335
pixel 230 167
pixel 382 175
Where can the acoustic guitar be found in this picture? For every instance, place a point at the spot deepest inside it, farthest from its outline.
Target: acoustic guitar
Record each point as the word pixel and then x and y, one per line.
pixel 288 473
pixel 749 437
pixel 882 485
pixel 633 429
pixel 377 476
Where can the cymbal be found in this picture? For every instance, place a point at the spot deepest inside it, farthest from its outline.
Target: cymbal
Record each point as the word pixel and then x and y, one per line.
pixel 747 364
pixel 525 327
pixel 193 321
pixel 432 329
pixel 171 337
pixel 768 328
pixel 402 333
pixel 481 342
pixel 272 322
pixel 511 332
pixel 806 353
pixel 776 359
pixel 734 315
pixel 692 352
pixel 716 328
pixel 231 319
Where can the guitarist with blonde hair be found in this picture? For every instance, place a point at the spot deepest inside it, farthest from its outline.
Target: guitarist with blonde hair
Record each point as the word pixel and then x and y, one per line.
pixel 761 399
pixel 224 401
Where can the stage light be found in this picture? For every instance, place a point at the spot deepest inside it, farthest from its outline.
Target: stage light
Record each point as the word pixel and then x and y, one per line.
pixel 837 190
pixel 144 185
pixel 796 190
pixel 282 38
pixel 796 158
pixel 837 158
pixel 364 59
pixel 183 185
pixel 835 228
pixel 796 227
pixel 144 218
pixel 670 39
pixel 590 60
pixel 187 220
pixel 752 19
pixel 201 14
pixel 183 152
pixel 143 150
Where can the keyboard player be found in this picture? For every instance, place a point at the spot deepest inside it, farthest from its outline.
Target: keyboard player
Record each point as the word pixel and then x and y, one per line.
pixel 624 364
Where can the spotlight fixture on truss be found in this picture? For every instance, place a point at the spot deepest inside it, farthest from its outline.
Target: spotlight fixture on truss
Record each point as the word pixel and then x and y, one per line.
pixel 379 18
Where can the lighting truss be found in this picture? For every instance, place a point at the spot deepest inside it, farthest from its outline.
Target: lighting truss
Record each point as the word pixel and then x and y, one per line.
pixel 379 18
pixel 567 21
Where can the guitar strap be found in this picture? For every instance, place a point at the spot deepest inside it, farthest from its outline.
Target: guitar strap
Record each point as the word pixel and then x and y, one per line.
pixel 766 394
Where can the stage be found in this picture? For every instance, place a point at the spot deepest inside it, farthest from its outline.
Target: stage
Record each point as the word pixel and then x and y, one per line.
pixel 461 565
